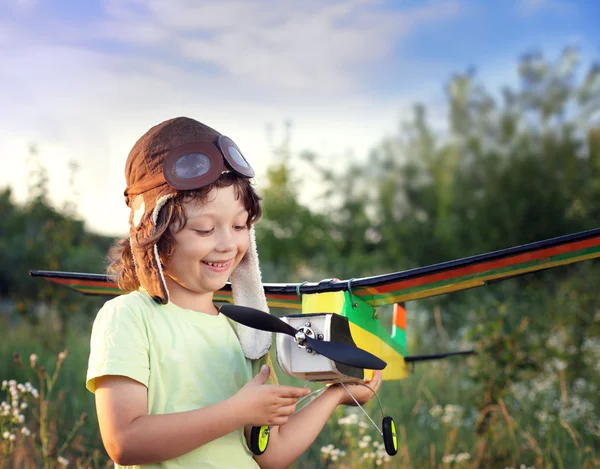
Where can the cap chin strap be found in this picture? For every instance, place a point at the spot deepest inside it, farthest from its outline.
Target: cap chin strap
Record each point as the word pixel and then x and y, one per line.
pixel 159 205
pixel 248 290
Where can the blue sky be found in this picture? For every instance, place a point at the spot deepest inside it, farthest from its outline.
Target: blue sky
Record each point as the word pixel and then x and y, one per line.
pixel 85 79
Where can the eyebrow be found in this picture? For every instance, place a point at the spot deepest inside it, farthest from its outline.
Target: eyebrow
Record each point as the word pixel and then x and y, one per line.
pixel 212 214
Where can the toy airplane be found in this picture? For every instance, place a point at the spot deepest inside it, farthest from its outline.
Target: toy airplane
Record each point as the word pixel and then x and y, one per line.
pixel 344 312
pixel 358 299
pixel 321 349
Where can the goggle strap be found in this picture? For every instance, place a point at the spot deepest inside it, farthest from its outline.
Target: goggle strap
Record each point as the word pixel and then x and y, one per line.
pixel 145 185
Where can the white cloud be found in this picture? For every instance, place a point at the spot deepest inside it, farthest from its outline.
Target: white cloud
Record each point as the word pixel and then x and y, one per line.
pixel 268 61
pixel 88 111
pixel 289 45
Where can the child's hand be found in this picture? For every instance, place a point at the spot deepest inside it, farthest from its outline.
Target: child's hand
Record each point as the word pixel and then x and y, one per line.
pixel 361 393
pixel 266 404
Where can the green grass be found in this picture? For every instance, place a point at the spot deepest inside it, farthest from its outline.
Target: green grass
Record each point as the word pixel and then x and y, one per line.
pixel 540 422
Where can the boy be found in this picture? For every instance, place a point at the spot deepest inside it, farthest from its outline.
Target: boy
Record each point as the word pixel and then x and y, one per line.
pixel 175 384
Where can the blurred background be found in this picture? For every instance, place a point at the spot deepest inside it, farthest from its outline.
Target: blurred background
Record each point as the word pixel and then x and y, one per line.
pixel 386 135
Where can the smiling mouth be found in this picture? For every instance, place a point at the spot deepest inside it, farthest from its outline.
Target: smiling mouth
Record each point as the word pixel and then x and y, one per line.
pixel 217 264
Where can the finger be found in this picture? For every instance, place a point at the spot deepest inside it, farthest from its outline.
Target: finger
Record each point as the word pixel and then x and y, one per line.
pixel 284 401
pixel 278 421
pixel 290 391
pixel 376 379
pixel 287 410
pixel 377 384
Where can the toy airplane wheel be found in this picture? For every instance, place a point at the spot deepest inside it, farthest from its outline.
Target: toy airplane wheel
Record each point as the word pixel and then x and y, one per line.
pixel 259 439
pixel 390 439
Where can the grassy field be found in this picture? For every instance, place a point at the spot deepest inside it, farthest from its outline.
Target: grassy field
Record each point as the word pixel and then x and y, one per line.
pixel 540 423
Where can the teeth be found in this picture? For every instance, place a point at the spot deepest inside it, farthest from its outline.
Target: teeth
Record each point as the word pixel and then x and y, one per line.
pixel 213 264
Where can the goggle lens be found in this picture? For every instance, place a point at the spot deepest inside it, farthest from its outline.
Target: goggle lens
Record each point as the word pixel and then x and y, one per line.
pixel 192 165
pixel 237 157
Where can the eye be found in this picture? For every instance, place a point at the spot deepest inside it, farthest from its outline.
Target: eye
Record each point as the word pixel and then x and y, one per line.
pixel 240 227
pixel 204 232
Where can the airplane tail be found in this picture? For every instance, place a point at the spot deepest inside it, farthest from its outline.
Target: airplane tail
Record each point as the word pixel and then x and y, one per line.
pixel 399 326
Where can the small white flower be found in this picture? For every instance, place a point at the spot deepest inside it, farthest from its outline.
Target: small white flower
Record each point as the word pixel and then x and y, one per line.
pixel 448 458
pixel 5 435
pixel 436 410
pixel 4 384
pixel 11 437
pixel 25 431
pixel 63 461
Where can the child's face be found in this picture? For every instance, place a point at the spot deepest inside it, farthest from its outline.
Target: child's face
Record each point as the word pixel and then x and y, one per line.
pixel 211 245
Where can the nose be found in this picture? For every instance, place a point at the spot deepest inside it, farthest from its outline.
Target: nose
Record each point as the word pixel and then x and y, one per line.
pixel 226 242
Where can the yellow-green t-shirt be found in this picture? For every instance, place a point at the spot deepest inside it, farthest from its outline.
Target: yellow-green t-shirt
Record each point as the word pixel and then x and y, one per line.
pixel 186 359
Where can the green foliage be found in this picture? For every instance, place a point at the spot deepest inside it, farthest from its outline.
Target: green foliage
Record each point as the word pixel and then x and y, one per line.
pixel 47 424
pixel 291 238
pixel 38 236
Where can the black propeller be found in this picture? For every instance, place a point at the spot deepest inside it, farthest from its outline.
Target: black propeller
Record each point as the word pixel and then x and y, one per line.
pixel 339 352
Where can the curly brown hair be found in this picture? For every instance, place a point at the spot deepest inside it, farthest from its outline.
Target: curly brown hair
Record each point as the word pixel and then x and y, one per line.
pixel 121 268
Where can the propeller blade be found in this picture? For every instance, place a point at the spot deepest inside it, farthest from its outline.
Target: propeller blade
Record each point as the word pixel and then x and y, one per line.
pixel 346 354
pixel 256 319
pixel 342 353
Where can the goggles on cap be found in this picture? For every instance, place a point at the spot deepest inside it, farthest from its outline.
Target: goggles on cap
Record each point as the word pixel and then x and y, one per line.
pixel 196 164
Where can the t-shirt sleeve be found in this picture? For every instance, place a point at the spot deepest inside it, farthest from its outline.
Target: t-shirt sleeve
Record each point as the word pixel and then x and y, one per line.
pixel 118 345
